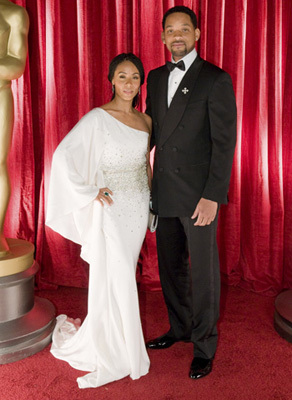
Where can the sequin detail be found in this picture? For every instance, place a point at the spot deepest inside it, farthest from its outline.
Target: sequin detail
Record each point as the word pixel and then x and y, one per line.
pixel 124 160
pixel 134 180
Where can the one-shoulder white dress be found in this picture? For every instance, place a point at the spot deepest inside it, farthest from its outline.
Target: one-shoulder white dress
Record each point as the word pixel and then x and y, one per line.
pixel 100 151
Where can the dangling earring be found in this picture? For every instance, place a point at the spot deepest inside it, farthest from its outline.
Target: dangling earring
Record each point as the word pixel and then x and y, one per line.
pixel 139 92
pixel 113 89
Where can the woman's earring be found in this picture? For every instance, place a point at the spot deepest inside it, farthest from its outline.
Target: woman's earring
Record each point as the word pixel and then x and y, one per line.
pixel 113 89
pixel 139 90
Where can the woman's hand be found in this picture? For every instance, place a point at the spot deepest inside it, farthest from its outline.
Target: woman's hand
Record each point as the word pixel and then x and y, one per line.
pixel 104 196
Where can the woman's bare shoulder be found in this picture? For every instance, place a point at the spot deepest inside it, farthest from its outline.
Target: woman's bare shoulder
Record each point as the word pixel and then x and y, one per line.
pixel 147 120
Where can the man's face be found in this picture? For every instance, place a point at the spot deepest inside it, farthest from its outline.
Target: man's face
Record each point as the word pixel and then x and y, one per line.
pixel 179 35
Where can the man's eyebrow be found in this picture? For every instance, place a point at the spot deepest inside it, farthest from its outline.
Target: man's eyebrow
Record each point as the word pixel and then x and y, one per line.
pixel 170 26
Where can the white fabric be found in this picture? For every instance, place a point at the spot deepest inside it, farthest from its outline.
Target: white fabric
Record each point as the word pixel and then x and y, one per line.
pixel 176 75
pixel 99 152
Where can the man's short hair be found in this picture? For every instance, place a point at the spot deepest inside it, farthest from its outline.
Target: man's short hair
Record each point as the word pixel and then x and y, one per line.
pixel 182 9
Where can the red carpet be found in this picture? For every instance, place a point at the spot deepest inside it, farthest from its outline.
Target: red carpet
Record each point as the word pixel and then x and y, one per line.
pixel 252 363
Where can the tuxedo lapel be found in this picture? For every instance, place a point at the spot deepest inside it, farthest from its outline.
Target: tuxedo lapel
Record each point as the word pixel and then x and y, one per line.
pixel 162 98
pixel 180 100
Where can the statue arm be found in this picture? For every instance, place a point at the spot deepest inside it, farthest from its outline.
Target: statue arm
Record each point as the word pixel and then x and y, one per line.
pixel 12 65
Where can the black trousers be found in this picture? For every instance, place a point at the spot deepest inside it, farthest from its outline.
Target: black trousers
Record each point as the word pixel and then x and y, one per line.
pixel 191 290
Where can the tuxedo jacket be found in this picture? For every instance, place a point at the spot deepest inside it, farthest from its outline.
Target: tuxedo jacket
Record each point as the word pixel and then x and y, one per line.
pixel 195 138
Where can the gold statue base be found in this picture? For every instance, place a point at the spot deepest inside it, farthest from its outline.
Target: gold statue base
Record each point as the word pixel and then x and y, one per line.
pixel 26 321
pixel 19 258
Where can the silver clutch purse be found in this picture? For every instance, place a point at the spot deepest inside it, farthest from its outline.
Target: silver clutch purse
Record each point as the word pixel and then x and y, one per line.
pixel 152 219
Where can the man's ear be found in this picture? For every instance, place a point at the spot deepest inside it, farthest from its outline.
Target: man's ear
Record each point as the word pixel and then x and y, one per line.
pixel 197 34
pixel 163 37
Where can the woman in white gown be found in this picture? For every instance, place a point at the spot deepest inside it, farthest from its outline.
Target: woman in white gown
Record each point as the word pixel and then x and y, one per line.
pixel 99 198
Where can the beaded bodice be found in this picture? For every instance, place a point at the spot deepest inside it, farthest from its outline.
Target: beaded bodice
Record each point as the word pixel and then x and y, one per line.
pixel 124 158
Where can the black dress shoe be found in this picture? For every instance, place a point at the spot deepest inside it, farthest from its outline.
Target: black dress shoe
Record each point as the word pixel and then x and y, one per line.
pixel 162 342
pixel 200 367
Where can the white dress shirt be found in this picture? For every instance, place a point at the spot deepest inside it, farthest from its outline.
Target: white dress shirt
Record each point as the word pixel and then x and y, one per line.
pixel 177 74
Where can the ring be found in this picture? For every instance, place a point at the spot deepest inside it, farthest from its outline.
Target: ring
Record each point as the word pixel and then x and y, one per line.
pixel 106 193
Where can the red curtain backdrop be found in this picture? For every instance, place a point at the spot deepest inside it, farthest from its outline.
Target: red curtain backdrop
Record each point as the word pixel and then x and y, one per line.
pixel 71 43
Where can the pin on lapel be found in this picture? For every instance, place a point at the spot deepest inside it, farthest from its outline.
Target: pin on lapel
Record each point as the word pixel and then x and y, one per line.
pixel 185 90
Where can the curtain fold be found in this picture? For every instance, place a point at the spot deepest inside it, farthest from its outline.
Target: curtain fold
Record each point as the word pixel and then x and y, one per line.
pixel 71 43
pixel 286 50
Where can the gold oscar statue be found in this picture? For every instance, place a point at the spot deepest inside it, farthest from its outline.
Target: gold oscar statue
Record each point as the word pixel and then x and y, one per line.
pixel 14 24
pixel 26 321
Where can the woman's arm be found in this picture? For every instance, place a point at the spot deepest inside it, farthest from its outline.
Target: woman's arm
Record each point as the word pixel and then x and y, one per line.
pixel 148 121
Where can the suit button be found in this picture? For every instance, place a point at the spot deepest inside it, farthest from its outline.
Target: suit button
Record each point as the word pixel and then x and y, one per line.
pixel 161 169
pixel 177 170
pixel 161 148
pixel 181 127
pixel 174 149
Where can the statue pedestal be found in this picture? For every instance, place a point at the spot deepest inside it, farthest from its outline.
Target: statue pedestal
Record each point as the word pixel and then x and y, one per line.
pixel 26 322
pixel 283 315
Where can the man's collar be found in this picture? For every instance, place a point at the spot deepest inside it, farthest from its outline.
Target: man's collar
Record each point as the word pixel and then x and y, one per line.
pixel 188 59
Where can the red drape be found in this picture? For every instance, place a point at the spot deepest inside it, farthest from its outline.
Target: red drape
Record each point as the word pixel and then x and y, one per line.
pixel 70 45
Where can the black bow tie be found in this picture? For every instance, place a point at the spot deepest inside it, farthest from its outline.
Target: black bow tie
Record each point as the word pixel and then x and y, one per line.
pixel 171 66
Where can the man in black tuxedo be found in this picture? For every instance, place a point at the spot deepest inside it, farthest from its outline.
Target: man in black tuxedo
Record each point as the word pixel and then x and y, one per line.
pixel 193 109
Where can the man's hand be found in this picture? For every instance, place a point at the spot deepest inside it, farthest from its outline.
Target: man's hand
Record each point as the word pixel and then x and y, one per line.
pixel 206 211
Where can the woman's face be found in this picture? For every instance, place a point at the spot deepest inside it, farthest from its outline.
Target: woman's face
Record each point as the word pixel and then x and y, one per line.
pixel 126 80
